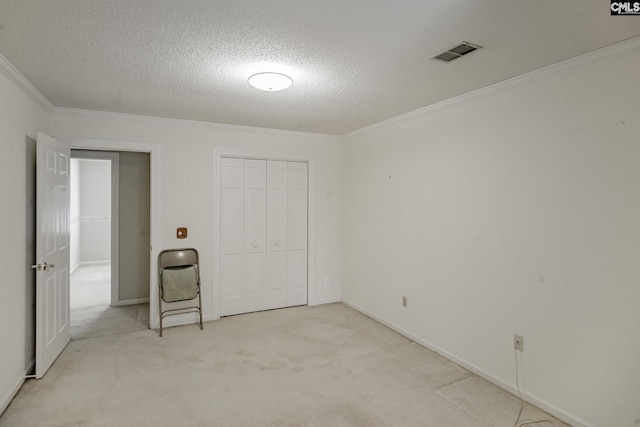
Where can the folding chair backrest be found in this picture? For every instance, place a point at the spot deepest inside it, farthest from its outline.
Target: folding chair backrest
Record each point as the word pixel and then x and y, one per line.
pixel 177 258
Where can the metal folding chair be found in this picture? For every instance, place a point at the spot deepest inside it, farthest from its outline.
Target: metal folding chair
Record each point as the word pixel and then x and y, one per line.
pixel 179 281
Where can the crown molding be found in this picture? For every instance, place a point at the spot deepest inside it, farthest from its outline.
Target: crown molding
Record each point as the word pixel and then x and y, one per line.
pixel 15 76
pixel 185 122
pixel 605 54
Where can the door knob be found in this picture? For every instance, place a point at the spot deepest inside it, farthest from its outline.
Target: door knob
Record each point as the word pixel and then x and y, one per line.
pixel 277 243
pixel 45 267
pixel 255 245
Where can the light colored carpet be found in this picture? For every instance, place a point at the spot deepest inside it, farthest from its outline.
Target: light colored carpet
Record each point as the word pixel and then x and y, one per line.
pixel 91 312
pixel 303 366
pixel 98 320
pixel 90 285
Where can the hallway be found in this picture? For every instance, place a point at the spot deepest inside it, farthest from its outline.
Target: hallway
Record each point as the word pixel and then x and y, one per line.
pixel 91 312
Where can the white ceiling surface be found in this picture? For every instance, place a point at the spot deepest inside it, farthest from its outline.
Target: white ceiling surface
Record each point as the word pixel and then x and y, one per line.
pixel 354 62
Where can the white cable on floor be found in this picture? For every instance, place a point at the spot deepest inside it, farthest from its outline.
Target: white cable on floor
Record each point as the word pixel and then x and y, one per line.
pixel 528 422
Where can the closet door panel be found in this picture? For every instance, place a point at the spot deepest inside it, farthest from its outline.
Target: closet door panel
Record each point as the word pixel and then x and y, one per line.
pixel 277 260
pixel 255 235
pixel 231 225
pixel 297 233
pixel 277 280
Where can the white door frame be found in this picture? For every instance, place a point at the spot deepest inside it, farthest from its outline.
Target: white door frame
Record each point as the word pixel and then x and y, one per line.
pixel 114 157
pixel 155 155
pixel 218 154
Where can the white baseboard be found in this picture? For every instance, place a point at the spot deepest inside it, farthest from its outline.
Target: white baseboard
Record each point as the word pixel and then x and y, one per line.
pixel 511 388
pixel 6 400
pixel 102 262
pixel 325 301
pixel 12 393
pixel 85 263
pixel 132 302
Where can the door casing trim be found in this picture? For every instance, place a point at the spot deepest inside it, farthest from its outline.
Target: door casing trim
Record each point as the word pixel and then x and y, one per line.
pixel 155 157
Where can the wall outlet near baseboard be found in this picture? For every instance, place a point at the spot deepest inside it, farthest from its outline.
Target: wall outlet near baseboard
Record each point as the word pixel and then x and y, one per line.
pixel 404 301
pixel 518 342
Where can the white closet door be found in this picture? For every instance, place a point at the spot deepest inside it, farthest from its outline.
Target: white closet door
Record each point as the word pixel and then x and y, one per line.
pixel 232 236
pixel 255 227
pixel 263 235
pixel 297 232
pixel 277 215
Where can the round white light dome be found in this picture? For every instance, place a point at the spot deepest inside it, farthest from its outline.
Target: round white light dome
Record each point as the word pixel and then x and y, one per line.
pixel 270 82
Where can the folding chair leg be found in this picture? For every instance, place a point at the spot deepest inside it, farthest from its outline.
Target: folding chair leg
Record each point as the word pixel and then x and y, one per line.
pixel 160 312
pixel 200 308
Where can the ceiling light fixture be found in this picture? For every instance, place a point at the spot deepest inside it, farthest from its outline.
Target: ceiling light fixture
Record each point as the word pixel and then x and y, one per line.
pixel 270 82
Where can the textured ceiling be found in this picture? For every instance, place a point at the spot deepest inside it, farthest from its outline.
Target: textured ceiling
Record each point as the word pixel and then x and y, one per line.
pixel 354 62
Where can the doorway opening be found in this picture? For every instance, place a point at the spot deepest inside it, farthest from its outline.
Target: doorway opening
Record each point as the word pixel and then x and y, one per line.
pixel 109 243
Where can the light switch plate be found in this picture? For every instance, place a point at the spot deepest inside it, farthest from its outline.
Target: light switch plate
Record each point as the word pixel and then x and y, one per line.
pixel 181 233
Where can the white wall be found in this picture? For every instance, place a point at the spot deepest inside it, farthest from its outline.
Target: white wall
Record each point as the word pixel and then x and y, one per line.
pixel 186 183
pixel 74 214
pixel 21 116
pixel 94 210
pixel 512 212
pixel 134 229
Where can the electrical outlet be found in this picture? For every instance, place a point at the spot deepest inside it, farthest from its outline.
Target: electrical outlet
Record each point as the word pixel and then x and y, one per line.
pixel 518 342
pixel 404 301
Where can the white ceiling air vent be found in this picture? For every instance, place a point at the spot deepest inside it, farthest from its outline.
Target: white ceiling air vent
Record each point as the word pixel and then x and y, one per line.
pixel 457 51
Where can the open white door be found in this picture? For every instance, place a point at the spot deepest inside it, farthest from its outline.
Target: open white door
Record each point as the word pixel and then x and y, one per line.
pixel 52 251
